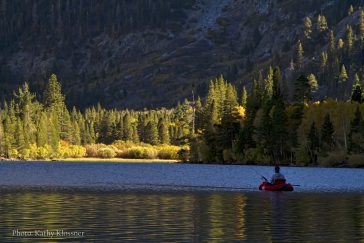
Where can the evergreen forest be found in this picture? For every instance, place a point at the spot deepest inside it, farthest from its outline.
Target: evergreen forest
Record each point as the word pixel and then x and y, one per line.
pixel 282 119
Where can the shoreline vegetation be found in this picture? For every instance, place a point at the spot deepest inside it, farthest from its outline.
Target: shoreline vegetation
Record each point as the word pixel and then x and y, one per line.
pixel 310 115
pixel 256 129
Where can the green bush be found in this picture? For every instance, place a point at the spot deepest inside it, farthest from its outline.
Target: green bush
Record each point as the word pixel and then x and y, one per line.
pixel 44 152
pixel 106 153
pixel 168 152
pixel 130 150
pixel 132 153
pixel 72 151
pixel 13 154
pixel 92 149
pixel 139 153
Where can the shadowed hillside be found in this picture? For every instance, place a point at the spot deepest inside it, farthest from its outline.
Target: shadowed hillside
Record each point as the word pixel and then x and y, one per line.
pixel 139 54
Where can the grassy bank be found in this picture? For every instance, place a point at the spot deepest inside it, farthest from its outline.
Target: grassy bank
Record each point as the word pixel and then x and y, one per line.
pixel 119 151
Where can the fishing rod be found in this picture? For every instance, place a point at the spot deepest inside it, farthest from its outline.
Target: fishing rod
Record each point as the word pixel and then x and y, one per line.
pixel 262 177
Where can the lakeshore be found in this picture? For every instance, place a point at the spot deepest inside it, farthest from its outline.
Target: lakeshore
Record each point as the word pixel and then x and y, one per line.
pixel 118 160
pixel 100 160
pixel 171 161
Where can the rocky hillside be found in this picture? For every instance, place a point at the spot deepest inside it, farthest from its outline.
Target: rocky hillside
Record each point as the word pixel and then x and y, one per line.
pixel 146 53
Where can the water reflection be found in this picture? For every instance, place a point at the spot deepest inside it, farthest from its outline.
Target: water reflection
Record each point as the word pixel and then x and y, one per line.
pixel 185 217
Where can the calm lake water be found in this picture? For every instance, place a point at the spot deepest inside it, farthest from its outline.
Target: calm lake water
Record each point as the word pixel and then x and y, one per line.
pixel 155 213
pixel 186 216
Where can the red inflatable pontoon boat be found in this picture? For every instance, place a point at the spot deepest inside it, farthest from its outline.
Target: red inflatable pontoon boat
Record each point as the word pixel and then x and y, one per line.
pixel 266 186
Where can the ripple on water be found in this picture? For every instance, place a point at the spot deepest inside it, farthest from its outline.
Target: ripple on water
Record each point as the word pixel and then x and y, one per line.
pixel 187 216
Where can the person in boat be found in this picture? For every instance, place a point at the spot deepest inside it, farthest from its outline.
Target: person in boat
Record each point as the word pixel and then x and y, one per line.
pixel 277 178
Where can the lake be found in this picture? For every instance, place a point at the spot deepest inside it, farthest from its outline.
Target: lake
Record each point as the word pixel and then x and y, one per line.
pixel 112 202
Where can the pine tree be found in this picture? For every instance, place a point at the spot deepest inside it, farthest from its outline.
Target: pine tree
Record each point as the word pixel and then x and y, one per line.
pixel 42 130
pixel 312 83
pixel 135 135
pixel 106 129
pixel 279 129
pixel 19 136
pixel 119 133
pixel 256 95
pixel 308 27
pixel 28 108
pixel 9 129
pixel 199 117
pixel 76 134
pixel 163 131
pixel 323 64
pixel 299 54
pixel 302 89
pixel 128 128
pixel 321 24
pixel 350 10
pixel 268 85
pixel 53 97
pixel 260 80
pixel 343 74
pixel 349 38
pixel 53 131
pixel 356 134
pixel 151 133
pixel 141 127
pixel 65 127
pixel 244 97
pixel 361 28
pixel 264 138
pixel 228 124
pixel 221 91
pixel 356 79
pixel 357 93
pixel 210 134
pixel 277 94
pixel 340 44
pixel 54 102
pixel 332 43
pixel 327 132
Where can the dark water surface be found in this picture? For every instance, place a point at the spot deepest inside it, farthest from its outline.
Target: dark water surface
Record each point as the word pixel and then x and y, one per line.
pixel 146 216
pixel 118 202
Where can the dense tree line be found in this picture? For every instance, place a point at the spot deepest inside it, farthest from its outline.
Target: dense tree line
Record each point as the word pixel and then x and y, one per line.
pixel 292 120
pixel 27 124
pixel 263 128
pixel 260 127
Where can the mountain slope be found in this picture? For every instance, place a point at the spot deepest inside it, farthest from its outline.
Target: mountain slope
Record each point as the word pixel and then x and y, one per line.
pixel 144 53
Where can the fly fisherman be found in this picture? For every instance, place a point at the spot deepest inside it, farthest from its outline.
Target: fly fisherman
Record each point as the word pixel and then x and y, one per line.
pixel 277 178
